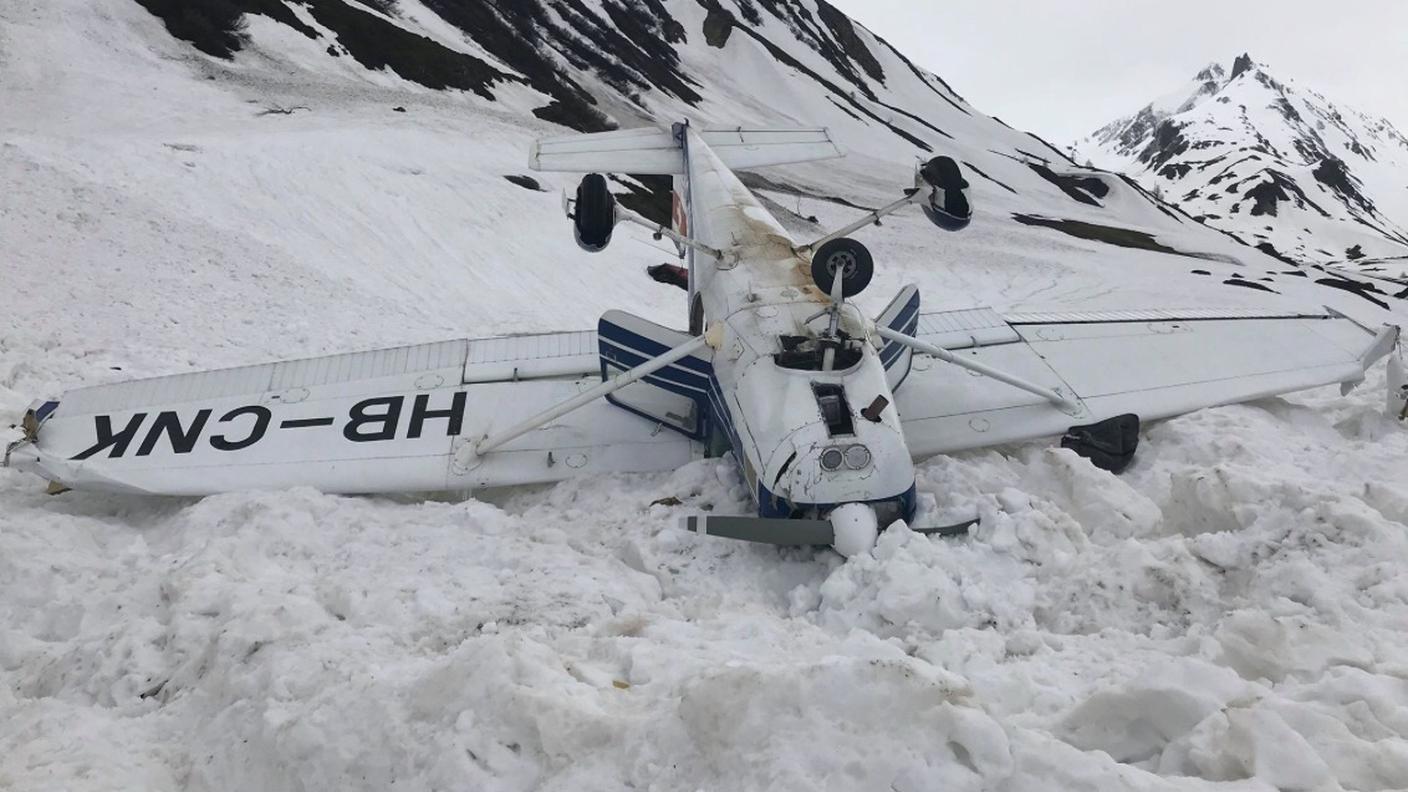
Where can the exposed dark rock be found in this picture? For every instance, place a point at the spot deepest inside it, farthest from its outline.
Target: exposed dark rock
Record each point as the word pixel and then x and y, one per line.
pixel 216 27
pixel 1168 142
pixel 377 44
pixel 1201 272
pixel 1270 250
pixel 1241 65
pixel 1121 237
pixel 651 196
pixel 1065 157
pixel 1176 170
pixel 820 37
pixel 573 114
pixel 749 11
pixel 1333 174
pixel 1355 253
pixel 947 91
pixel 845 33
pixel 783 57
pixel 970 166
pixel 526 182
pixel 1277 187
pixel 1266 195
pixel 529 37
pixel 843 109
pixel 1158 203
pixel 1205 164
pixel 1081 188
pixel 645 32
pixel 1249 285
pixel 1355 287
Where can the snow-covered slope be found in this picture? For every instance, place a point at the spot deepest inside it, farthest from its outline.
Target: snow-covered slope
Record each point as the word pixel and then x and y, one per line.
pixel 1230 610
pixel 1270 161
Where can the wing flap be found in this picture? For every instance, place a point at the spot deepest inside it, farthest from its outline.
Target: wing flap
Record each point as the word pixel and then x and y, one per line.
pixel 966 328
pixel 532 356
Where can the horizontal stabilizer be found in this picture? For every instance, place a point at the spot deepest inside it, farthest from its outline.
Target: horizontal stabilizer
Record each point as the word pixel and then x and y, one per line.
pixel 657 152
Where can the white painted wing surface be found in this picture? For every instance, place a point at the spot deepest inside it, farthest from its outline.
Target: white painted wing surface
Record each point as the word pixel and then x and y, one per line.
pixel 1155 364
pixel 367 422
pixel 655 151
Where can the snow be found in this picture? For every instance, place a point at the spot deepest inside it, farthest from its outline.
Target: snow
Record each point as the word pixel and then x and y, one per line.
pixel 1228 614
pixel 1240 130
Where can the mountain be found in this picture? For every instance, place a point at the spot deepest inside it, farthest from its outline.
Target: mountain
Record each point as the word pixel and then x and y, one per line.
pixel 1272 162
pixel 288 179
pixel 612 63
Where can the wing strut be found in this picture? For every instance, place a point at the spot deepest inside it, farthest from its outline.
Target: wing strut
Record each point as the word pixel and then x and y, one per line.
pixel 980 368
pixel 490 442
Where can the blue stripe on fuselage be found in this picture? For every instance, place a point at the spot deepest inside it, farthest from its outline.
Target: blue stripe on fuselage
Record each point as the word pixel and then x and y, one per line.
pixel 778 507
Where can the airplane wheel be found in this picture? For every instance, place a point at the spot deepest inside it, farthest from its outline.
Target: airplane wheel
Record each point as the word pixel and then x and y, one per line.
pixel 696 316
pixel 595 214
pixel 847 257
pixel 948 206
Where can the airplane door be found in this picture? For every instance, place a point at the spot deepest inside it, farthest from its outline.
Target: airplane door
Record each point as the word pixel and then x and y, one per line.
pixel 901 315
pixel 676 396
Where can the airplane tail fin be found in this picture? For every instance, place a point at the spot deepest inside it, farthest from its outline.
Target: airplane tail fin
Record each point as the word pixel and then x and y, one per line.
pixel 658 152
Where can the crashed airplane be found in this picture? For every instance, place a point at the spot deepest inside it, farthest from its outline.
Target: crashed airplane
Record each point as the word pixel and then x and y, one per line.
pixel 823 409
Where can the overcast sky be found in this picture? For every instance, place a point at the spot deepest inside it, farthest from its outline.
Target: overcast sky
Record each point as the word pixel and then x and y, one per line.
pixel 1064 69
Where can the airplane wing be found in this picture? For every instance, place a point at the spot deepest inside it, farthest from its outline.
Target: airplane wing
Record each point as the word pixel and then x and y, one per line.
pixel 393 420
pixel 656 151
pixel 1154 364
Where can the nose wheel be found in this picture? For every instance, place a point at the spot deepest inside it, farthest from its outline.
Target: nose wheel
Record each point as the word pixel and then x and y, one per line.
pixel 844 259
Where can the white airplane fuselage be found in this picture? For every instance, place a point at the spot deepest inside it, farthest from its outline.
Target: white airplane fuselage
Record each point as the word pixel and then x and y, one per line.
pixel 781 410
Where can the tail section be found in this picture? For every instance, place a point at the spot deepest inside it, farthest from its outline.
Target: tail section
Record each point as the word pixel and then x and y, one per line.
pixel 659 152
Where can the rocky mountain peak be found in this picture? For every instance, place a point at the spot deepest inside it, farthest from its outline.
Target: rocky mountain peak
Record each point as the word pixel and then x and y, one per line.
pixel 1241 65
pixel 1278 165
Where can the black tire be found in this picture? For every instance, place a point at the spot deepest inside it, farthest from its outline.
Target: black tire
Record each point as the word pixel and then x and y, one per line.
pixel 948 207
pixel 595 213
pixel 944 173
pixel 1109 445
pixel 850 258
pixel 696 315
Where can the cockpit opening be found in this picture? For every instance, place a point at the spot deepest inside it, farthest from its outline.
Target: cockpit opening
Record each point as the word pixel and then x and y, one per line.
pixel 806 353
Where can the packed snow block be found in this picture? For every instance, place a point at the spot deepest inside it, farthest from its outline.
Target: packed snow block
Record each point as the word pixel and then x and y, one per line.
pixel 1135 721
pixel 1258 645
